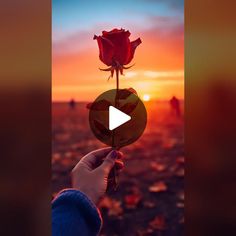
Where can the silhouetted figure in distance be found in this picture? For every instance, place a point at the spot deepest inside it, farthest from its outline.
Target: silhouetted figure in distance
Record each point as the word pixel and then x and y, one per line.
pixel 72 103
pixel 175 106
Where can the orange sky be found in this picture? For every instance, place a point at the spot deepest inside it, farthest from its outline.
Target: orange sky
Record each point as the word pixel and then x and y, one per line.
pixel 158 69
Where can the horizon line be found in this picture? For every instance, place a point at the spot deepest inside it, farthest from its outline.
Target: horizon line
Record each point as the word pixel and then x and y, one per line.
pixel 83 101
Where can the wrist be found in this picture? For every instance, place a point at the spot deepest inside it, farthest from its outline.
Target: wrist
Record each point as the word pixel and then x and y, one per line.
pixel 88 192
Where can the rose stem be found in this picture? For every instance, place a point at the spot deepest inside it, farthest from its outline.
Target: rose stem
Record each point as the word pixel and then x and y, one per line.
pixel 116 105
pixel 113 132
pixel 117 84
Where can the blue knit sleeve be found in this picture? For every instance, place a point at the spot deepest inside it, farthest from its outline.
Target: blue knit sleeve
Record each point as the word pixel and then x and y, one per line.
pixel 74 214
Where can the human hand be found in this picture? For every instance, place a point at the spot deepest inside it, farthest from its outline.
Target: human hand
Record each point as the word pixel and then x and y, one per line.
pixel 90 175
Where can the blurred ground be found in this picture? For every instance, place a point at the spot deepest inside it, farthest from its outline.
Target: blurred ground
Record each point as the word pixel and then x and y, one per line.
pixel 150 196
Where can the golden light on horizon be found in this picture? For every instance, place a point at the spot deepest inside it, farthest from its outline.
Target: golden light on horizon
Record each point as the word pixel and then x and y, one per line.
pixel 146 97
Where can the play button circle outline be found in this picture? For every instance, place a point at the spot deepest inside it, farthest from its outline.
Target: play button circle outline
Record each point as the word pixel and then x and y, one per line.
pixel 117 118
pixel 126 132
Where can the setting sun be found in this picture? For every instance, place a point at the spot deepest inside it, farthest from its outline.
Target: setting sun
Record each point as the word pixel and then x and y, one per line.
pixel 146 97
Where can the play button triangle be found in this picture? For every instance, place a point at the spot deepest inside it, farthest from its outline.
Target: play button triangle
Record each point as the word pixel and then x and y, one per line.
pixel 117 118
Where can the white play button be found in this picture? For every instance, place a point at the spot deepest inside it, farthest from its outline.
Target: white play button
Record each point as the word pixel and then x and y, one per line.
pixel 117 118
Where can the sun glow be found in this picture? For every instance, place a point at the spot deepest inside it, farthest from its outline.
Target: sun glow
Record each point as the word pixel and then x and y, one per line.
pixel 146 97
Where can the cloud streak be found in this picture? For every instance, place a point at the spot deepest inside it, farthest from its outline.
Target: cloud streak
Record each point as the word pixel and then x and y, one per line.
pixel 178 74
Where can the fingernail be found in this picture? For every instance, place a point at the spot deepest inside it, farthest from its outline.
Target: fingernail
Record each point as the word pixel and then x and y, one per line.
pixel 119 154
pixel 114 154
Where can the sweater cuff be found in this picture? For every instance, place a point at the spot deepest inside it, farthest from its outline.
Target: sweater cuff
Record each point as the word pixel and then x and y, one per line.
pixel 84 205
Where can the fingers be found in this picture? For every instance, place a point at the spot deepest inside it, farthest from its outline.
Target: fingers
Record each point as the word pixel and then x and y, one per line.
pixel 119 164
pixel 110 161
pixel 93 157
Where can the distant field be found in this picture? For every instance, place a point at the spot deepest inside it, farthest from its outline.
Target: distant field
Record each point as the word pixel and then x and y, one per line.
pixel 150 197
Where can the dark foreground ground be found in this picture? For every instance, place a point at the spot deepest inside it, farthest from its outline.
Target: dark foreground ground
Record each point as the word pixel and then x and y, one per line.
pixel 150 196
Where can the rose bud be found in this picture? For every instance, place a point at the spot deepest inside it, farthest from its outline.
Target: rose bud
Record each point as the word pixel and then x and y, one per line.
pixel 115 48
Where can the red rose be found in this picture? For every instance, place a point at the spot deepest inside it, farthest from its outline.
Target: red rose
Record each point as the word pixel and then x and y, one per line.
pixel 115 47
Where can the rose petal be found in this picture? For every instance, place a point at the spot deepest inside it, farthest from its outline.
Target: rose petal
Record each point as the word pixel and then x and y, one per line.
pixel 106 50
pixel 121 43
pixel 133 46
pixel 104 32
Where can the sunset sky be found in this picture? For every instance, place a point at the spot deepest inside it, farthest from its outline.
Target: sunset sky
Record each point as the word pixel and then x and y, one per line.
pixel 159 60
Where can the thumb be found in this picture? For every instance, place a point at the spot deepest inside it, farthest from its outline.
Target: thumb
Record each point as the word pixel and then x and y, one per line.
pixel 109 161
